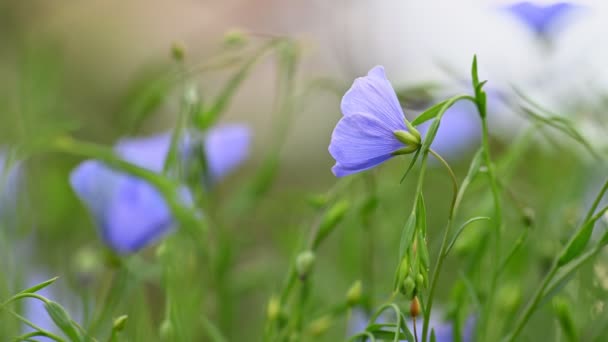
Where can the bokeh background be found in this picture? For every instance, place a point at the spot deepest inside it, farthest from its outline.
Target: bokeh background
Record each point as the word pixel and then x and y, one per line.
pixel 91 68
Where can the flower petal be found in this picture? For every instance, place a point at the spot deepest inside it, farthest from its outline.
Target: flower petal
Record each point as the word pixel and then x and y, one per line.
pixel 95 183
pixel 137 216
pixel 540 18
pixel 360 142
pixel 148 152
pixel 374 96
pixel 226 147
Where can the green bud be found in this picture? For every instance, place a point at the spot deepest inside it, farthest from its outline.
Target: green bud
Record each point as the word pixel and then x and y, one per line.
pixel 332 218
pixel 508 297
pixel 274 308
pixel 320 326
pixel 353 296
pixel 235 38
pixel 161 250
pixel 119 323
pixel 177 52
pixel 407 287
pixel 420 282
pixel 304 263
pixel 407 138
pixel 563 311
pixel 166 330
pixel 62 319
pixel 404 268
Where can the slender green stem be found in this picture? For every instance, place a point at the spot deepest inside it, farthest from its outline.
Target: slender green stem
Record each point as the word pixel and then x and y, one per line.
pixel 454 180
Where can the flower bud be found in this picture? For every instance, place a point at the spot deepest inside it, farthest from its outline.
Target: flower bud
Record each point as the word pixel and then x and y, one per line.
pixel 166 330
pixel 407 287
pixel 415 307
pixel 404 268
pixel 320 326
pixel 304 263
pixel 274 308
pixel 235 38
pixel 119 323
pixel 177 52
pixel 353 296
pixel 420 282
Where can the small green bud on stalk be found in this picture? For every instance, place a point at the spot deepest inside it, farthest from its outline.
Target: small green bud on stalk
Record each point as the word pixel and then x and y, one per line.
pixel 177 52
pixel 319 326
pixel 274 308
pixel 332 218
pixel 304 264
pixel 353 296
pixel 62 319
pixel 407 287
pixel 404 268
pixel 420 283
pixel 166 330
pixel 235 38
pixel 120 323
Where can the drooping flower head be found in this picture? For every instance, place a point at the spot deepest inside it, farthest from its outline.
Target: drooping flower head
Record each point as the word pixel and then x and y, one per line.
pixel 373 127
pixel 131 213
pixel 541 19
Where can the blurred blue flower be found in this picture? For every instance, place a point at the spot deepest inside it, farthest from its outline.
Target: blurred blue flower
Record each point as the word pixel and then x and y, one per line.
pixel 365 136
pixel 460 130
pixel 130 212
pixel 9 182
pixel 540 18
pixel 443 331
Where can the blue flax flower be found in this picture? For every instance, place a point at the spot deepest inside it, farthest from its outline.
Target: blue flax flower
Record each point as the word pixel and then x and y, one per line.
pixel 131 213
pixel 540 18
pixel 373 128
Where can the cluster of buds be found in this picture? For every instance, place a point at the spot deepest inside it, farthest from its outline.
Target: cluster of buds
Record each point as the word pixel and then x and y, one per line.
pixel 412 275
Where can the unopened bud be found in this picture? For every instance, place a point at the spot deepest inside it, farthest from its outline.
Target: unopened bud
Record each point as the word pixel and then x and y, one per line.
pixel 235 38
pixel 274 308
pixel 166 330
pixel 528 217
pixel 420 283
pixel 304 263
pixel 415 307
pixel 404 268
pixel 119 323
pixel 161 250
pixel 407 287
pixel 320 326
pixel 353 296
pixel 177 52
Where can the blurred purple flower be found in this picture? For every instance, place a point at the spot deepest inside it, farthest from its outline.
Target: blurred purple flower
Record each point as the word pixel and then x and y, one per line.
pixel 540 18
pixel 365 136
pixel 131 213
pixel 443 331
pixel 460 130
pixel 9 182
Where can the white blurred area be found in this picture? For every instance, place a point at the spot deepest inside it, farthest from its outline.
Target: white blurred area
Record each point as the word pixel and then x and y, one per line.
pixel 416 41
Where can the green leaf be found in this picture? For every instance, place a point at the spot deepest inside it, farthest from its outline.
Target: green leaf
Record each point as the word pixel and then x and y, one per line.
pixel 38 287
pixel 409 168
pixel 430 113
pixel 62 320
pixel 577 244
pixel 433 336
pixel 421 215
pixel 474 74
pixel 407 234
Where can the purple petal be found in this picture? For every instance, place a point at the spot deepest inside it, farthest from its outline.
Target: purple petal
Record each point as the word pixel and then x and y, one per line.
pixel 226 147
pixel 95 184
pixel 136 217
pixel 149 152
pixel 540 18
pixel 373 96
pixel 360 142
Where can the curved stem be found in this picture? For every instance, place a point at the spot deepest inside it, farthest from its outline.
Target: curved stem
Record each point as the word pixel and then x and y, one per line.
pixel 452 176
